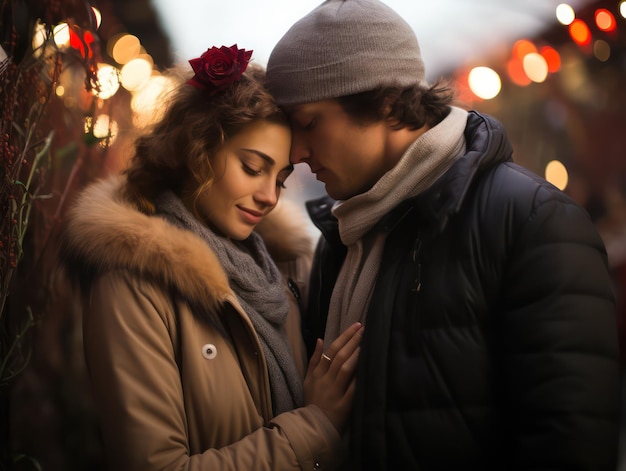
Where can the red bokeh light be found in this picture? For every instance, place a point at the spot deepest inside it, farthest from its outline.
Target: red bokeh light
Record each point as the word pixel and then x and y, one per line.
pixel 580 32
pixel 82 45
pixel 523 47
pixel 552 57
pixel 515 69
pixel 605 20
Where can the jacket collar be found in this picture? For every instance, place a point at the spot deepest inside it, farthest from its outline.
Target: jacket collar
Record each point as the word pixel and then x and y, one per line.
pixel 105 232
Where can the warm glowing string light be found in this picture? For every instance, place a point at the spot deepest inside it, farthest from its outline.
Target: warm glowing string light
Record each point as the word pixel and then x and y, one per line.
pixel 552 58
pixel 601 50
pixel 565 14
pixel 98 16
pixel 82 42
pixel 136 73
pixel 61 33
pixel 605 20
pixel 516 73
pixel 39 39
pixel 108 80
pixel 124 48
pixel 523 47
pixel 484 82
pixel 580 32
pixel 145 102
pixel 105 128
pixel 557 174
pixel 535 67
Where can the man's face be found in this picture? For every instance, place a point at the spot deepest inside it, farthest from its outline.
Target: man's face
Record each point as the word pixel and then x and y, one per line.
pixel 348 157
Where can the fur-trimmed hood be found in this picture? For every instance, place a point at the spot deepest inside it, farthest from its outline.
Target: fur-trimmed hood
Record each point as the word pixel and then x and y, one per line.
pixel 105 232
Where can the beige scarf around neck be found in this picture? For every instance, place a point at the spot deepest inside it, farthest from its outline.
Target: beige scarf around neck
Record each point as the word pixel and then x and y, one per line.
pixel 427 159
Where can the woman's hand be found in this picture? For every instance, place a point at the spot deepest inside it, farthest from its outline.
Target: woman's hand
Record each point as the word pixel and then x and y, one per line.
pixel 330 378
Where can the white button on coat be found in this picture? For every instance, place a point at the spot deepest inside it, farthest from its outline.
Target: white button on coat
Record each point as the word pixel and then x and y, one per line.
pixel 209 351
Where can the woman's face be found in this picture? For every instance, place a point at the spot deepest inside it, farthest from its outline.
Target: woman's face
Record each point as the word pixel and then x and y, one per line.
pixel 250 171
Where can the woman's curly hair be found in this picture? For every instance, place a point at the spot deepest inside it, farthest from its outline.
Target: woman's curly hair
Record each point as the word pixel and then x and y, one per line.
pixel 193 127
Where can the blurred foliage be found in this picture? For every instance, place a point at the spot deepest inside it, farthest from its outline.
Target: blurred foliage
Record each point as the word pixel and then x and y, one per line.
pixel 35 179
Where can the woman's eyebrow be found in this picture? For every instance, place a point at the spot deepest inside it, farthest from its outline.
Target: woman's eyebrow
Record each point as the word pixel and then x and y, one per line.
pixel 263 155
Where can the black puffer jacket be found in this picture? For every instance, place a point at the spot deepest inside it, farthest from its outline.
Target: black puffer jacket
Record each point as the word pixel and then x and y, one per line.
pixel 490 341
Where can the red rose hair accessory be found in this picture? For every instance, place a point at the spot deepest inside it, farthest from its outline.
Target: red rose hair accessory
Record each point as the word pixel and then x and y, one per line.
pixel 217 69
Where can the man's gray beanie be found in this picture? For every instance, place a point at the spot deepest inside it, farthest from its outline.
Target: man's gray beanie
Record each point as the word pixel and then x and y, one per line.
pixel 344 47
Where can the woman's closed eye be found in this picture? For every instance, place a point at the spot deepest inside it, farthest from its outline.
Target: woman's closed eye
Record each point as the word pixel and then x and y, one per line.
pixel 254 171
pixel 257 173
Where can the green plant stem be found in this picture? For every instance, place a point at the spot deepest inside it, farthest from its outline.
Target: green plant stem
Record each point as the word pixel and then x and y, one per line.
pixel 27 197
pixel 14 344
pixel 5 289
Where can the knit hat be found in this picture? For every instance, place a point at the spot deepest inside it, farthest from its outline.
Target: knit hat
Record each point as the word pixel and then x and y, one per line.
pixel 344 47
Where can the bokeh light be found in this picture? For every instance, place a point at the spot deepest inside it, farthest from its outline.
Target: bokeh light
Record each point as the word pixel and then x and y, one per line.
pixel 601 50
pixel 580 32
pixel 61 33
pixel 82 42
pixel 535 67
pixel 515 69
pixel 105 128
pixel 147 103
pixel 98 16
pixel 605 21
pixel 556 173
pixel 124 48
pixel 523 47
pixel 136 73
pixel 39 39
pixel 484 82
pixel 108 80
pixel 552 57
pixel 565 14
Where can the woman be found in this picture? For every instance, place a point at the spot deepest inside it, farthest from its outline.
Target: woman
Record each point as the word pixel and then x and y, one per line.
pixel 186 314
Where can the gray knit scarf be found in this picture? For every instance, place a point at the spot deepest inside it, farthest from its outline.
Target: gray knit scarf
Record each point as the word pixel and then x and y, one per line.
pixel 256 281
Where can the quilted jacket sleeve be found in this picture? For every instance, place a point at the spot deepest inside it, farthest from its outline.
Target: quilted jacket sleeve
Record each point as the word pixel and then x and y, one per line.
pixel 557 332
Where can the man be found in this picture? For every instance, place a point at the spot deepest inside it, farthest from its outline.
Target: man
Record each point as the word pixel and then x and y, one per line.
pixel 490 338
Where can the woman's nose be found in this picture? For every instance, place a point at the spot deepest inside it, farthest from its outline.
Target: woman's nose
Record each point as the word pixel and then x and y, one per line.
pixel 267 193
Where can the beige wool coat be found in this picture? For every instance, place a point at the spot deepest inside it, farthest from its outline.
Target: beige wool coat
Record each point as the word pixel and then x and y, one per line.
pixel 178 373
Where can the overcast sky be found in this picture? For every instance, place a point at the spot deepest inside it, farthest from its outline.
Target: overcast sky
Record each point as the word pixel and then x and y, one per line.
pixel 450 32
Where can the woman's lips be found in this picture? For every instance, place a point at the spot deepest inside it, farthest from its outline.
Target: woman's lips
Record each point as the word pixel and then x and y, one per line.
pixel 250 216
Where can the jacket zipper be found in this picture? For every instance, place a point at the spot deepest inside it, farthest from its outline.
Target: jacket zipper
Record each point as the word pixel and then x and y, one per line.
pixel 417 247
pixel 415 290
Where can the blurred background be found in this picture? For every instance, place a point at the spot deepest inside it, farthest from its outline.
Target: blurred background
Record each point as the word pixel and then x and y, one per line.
pixel 79 80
